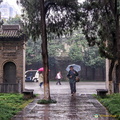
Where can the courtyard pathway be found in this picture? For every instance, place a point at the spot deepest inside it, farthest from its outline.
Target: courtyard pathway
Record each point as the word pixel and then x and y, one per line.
pixel 82 106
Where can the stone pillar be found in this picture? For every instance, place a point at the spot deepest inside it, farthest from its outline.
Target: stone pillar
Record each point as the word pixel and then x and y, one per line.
pixel 24 56
pixel 107 74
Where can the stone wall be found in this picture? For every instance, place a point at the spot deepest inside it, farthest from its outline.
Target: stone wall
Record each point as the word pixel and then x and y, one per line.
pixel 86 73
pixel 56 65
pixel 13 51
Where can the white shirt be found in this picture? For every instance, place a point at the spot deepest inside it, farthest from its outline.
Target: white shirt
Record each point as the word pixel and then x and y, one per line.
pixel 58 76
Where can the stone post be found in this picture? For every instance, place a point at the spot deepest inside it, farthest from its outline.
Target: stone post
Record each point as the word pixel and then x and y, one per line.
pixel 107 74
pixel 19 86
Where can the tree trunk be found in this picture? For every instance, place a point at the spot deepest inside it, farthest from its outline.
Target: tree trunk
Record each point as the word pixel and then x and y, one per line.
pixel 112 63
pixel 117 15
pixel 44 53
pixel 117 50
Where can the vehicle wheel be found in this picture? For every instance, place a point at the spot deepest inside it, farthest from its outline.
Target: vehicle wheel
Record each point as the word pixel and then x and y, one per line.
pixel 35 80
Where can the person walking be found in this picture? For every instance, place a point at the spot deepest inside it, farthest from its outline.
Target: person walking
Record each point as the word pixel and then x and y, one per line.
pixel 58 77
pixel 40 78
pixel 72 79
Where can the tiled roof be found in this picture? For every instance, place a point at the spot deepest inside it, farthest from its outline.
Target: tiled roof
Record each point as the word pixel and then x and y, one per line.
pixel 10 31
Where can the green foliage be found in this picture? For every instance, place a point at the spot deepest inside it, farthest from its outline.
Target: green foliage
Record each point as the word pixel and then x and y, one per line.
pixel 33 51
pixel 112 103
pixel 81 51
pixel 10 104
pixel 15 20
pixel 54 47
pixel 92 58
pixel 46 101
pixel 99 25
pixel 62 16
pixel 76 53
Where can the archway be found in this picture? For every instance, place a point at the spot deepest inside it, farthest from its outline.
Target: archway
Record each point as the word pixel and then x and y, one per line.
pixel 9 73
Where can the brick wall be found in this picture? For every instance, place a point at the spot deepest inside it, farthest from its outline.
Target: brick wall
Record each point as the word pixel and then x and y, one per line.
pixel 13 51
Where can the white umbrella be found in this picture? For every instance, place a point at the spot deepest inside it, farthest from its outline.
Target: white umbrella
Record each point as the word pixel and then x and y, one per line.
pixel 75 67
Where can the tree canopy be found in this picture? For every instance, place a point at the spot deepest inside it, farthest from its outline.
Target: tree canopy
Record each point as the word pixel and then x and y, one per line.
pixel 15 20
pixel 33 50
pixel 62 16
pixel 98 20
pixel 80 51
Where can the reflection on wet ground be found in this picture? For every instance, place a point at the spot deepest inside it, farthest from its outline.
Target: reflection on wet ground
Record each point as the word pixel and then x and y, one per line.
pixel 77 107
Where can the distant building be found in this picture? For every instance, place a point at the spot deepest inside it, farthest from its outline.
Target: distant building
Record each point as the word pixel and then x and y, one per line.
pixel 7 10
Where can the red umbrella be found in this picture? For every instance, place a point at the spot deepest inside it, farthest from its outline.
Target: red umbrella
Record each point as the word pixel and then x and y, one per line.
pixel 41 69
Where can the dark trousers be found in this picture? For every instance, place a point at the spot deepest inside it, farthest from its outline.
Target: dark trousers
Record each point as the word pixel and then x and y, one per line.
pixel 58 81
pixel 73 87
pixel 41 84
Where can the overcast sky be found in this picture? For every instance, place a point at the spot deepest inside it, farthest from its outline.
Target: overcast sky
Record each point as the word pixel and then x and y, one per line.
pixel 13 2
pixel 81 0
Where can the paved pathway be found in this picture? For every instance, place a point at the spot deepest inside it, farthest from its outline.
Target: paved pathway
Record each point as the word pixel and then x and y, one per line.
pixel 77 107
pixel 82 87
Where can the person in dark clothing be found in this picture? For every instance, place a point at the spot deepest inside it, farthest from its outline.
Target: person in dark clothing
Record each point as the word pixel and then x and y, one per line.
pixel 72 79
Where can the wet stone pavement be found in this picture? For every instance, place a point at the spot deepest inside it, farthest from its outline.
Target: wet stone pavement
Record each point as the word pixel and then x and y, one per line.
pixel 78 107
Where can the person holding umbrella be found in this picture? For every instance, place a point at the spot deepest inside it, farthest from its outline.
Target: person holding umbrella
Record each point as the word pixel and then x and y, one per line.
pixel 72 77
pixel 40 78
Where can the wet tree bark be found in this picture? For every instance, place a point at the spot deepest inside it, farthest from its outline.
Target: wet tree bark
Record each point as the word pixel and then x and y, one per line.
pixel 112 63
pixel 118 64
pixel 44 53
pixel 117 49
pixel 117 16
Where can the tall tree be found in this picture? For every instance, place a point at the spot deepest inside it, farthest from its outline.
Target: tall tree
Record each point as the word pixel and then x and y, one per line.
pixel 100 23
pixel 55 16
pixel 44 52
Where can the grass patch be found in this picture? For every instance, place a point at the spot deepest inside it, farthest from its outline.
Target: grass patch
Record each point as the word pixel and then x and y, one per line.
pixel 11 104
pixel 112 103
pixel 47 101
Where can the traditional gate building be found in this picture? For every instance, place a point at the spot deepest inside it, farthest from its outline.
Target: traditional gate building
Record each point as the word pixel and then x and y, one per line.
pixel 12 59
